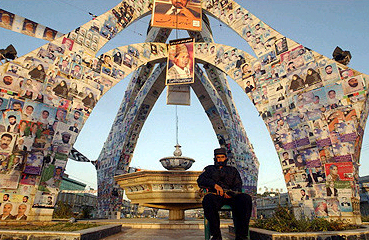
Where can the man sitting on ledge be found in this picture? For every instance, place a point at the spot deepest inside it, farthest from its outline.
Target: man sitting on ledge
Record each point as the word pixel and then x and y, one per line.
pixel 224 185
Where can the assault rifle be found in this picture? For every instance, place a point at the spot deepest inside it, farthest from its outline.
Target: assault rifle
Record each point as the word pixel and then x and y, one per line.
pixel 229 192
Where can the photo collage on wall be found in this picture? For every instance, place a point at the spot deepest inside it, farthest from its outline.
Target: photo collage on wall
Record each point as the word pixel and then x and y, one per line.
pixel 311 105
pixel 47 95
pixel 19 24
pixel 118 149
pixel 230 134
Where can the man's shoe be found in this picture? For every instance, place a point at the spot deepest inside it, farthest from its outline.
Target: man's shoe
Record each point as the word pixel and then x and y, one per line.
pixel 216 238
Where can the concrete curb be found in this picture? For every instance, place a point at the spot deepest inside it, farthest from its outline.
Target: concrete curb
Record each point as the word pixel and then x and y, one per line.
pixel 262 234
pixel 95 233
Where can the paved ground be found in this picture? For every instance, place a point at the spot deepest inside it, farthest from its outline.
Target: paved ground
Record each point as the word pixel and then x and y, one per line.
pixel 164 234
pixel 161 229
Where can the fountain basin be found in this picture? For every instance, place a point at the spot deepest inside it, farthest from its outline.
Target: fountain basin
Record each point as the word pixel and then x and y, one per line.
pixel 175 191
pixel 177 163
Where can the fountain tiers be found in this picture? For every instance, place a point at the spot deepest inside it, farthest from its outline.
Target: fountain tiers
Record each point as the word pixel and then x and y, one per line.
pixel 175 191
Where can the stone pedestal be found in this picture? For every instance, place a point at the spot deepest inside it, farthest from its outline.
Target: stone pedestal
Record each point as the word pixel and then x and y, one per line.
pixel 40 214
pixel 175 191
pixel 176 214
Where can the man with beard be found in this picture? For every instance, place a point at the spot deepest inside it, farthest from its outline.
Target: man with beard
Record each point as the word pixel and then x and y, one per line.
pixel 224 184
pixel 75 118
pixel 13 125
pixel 6 212
pixel 64 146
pixel 17 106
pixel 330 73
pixel 6 198
pixel 5 141
pixel 8 80
pixel 178 7
pixel 22 208
pixel 352 85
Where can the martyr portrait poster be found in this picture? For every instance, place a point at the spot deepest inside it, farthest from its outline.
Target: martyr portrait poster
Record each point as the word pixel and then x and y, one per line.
pixel 180 67
pixel 179 14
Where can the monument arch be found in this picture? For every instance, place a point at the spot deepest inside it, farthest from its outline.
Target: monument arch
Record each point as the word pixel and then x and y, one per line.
pixel 333 131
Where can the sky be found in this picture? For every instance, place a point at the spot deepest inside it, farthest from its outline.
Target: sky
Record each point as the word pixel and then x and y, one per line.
pixel 320 25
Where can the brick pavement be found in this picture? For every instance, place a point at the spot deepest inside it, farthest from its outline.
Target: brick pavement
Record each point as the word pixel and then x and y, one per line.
pixel 163 234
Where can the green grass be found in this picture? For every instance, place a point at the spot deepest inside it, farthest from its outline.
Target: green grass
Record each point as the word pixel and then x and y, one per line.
pixel 59 227
pixel 284 221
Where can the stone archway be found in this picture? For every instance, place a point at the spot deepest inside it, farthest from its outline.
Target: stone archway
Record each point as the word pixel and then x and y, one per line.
pixel 127 126
pixel 284 120
pixel 119 147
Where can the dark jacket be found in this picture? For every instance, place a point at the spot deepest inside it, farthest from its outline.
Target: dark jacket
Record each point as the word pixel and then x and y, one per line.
pixel 227 177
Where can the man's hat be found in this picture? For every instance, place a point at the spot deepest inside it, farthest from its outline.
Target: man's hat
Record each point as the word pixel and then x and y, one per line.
pixel 66 133
pixel 219 151
pixel 175 50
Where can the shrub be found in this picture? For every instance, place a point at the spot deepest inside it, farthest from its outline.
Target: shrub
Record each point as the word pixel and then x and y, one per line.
pixel 284 221
pixel 63 210
pixel 53 227
pixel 86 212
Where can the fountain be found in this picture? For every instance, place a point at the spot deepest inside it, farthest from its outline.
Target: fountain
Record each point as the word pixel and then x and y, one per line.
pixel 177 162
pixel 174 189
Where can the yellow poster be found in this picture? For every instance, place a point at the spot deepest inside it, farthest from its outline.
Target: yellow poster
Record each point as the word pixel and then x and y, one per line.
pixel 180 67
pixel 179 14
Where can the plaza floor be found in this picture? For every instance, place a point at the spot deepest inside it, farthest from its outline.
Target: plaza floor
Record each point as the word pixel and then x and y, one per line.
pixel 163 234
pixel 162 229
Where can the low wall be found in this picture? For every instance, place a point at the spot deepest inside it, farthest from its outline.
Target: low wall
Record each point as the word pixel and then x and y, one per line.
pixel 262 234
pixel 86 234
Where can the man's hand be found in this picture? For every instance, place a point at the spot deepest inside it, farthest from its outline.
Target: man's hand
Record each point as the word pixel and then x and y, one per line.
pixel 219 189
pixel 226 195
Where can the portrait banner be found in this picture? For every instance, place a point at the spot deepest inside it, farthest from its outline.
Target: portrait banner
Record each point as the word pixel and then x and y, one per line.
pixel 180 67
pixel 339 171
pixel 183 14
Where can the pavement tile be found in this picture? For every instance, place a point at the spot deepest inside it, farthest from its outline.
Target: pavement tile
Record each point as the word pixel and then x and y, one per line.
pixel 163 234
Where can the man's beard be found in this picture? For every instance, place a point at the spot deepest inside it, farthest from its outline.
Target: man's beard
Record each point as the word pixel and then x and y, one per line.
pixel 4 145
pixel 221 164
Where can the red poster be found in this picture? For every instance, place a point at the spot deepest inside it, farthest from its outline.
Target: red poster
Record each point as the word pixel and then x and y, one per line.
pixel 342 171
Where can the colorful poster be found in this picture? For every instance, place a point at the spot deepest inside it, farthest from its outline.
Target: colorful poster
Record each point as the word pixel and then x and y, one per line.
pixel 34 163
pixel 14 211
pixel 183 14
pixel 180 67
pixel 340 171
pixel 46 200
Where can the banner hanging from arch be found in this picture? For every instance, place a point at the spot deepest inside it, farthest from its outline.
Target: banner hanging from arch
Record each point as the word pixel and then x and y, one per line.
pixel 180 67
pixel 178 14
